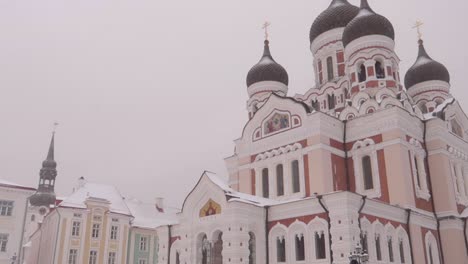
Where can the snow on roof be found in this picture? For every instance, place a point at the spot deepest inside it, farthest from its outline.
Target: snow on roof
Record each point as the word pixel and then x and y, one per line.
pixel 97 192
pixel 6 183
pixel 438 109
pixel 147 216
pixel 238 196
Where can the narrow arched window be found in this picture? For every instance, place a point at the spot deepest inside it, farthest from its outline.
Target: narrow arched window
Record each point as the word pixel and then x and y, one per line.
pixel 416 170
pixel 390 250
pixel 367 173
pixel 177 260
pixel 330 68
pixel 280 250
pixel 362 75
pixel 431 257
pixel 365 244
pixel 320 246
pixel 402 252
pixel 252 251
pixel 331 101
pixel 295 176
pixel 300 247
pixel 378 249
pixel 379 70
pixel 279 180
pixel 265 183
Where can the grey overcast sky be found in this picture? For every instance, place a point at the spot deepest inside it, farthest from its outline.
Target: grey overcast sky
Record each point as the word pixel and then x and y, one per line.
pixel 150 93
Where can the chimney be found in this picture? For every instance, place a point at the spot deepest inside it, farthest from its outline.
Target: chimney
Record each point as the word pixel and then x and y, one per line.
pixel 159 203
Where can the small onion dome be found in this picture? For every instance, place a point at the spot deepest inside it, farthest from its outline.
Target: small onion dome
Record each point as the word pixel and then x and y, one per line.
pixel 42 199
pixel 267 69
pixel 337 15
pixel 367 23
pixel 425 69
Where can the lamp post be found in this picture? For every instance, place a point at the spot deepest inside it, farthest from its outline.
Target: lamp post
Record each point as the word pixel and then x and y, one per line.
pixel 359 256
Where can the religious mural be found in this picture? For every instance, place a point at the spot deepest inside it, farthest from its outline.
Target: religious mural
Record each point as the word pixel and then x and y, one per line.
pixel 210 208
pixel 276 123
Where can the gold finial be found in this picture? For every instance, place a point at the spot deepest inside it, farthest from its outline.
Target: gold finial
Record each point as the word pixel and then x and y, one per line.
pixel 55 127
pixel 418 26
pixel 265 27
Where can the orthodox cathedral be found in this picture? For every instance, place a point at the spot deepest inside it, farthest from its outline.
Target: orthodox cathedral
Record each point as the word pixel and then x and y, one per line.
pixel 366 167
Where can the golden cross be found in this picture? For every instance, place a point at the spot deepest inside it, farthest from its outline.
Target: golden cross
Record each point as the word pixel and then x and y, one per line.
pixel 418 26
pixel 265 27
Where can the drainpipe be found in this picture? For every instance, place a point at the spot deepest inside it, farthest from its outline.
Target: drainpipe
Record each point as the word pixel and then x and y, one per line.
pixel 408 219
pixel 320 197
pixel 466 237
pixel 20 250
pixel 364 200
pixel 348 188
pixel 267 247
pixel 432 192
pixel 169 245
pixel 58 229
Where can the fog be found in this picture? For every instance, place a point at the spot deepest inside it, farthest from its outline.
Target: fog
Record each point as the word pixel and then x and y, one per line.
pixel 149 94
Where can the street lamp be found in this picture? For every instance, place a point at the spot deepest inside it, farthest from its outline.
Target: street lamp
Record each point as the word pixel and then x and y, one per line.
pixel 359 256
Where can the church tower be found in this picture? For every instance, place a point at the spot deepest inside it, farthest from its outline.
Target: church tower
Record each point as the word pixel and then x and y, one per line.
pixel 372 63
pixel 264 78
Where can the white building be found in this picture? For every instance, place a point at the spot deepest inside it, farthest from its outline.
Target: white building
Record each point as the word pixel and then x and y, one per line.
pixel 13 211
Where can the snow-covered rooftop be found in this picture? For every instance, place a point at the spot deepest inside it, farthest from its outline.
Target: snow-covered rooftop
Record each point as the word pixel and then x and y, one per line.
pixel 6 183
pixel 94 191
pixel 147 216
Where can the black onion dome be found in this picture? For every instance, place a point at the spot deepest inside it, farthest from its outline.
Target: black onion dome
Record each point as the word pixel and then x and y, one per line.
pixel 425 69
pixel 367 23
pixel 337 15
pixel 267 69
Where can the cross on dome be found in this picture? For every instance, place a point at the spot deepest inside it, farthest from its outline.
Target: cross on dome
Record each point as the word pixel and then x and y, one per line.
pixel 418 26
pixel 265 27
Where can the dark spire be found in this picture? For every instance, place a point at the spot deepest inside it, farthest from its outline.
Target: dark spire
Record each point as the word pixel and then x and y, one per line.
pixel 266 50
pixel 365 5
pixel 45 195
pixel 425 69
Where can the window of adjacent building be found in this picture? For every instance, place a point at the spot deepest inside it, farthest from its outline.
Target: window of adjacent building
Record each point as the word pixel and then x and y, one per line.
pixel 378 248
pixel 362 76
pixel 95 231
pixel 320 246
pixel 93 257
pixel 390 250
pixel 3 242
pixel 280 179
pixel 300 247
pixel 402 252
pixel 143 243
pixel 265 183
pixel 6 208
pixel 114 232
pixel 72 256
pixel 112 257
pixel 76 228
pixel 280 250
pixel 252 251
pixel 295 176
pixel 379 70
pixel 330 68
pixel 367 173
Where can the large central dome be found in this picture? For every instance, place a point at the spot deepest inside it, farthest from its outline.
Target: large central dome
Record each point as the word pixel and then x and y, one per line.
pixel 337 15
pixel 367 23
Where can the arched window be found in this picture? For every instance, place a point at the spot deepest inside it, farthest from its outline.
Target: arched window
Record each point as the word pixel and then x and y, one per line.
pixel 300 247
pixel 390 250
pixel 416 169
pixel 217 249
pixel 177 258
pixel 252 248
pixel 331 101
pixel 379 70
pixel 265 183
pixel 364 242
pixel 295 176
pixel 279 180
pixel 362 75
pixel 320 246
pixel 402 251
pixel 330 68
pixel 367 173
pixel 431 256
pixel 280 250
pixel 378 248
pixel 205 250
pixel 315 105
pixel 33 218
